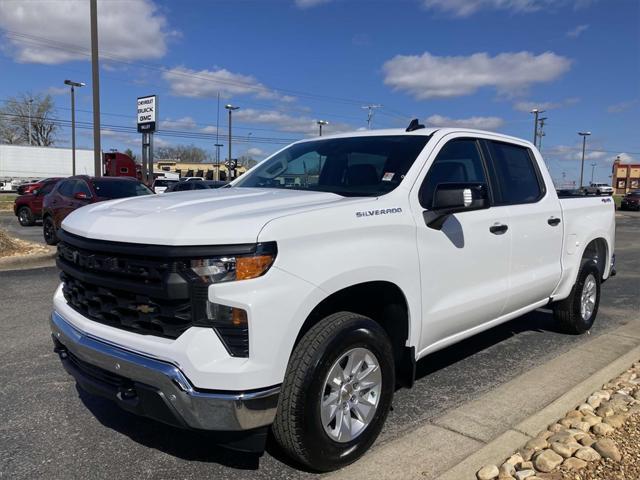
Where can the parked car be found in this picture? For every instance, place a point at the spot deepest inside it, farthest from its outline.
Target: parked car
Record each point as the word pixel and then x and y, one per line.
pixel 191 179
pixel 195 185
pixel 599 189
pixel 31 186
pixel 631 201
pixel 28 206
pixel 76 192
pixel 160 184
pixel 303 303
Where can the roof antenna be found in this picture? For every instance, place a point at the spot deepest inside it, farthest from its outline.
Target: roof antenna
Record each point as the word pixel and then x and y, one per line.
pixel 414 125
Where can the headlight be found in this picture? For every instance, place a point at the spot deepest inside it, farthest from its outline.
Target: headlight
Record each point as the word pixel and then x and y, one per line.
pixel 229 268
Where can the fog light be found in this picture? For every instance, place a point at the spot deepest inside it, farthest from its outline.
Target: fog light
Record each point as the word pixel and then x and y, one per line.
pixel 232 326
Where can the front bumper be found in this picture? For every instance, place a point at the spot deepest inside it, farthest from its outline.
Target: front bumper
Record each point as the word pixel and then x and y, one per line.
pixel 154 388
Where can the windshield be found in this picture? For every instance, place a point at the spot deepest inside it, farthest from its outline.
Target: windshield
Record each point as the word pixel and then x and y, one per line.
pixel 355 166
pixel 119 188
pixel 164 183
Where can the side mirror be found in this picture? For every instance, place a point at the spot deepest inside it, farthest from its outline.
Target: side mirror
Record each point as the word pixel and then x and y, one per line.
pixel 35 192
pixel 450 198
pixel 81 196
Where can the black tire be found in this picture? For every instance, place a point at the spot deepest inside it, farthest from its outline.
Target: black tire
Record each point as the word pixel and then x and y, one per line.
pixel 568 311
pixel 298 424
pixel 26 217
pixel 49 231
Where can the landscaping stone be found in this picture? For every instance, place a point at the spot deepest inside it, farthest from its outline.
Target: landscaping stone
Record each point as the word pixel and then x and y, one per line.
pixel 536 444
pixel 604 411
pixel 602 429
pixel 488 472
pixel 526 453
pixel 587 454
pixel 562 437
pixel 556 427
pixel 616 421
pixel 547 461
pixel 525 466
pixel 565 450
pixel 580 425
pixel 607 449
pixel 594 401
pixel 506 470
pixel 574 463
pixel 523 474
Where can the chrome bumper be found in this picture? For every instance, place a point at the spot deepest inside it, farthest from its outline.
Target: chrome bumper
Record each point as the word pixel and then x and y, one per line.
pixel 155 388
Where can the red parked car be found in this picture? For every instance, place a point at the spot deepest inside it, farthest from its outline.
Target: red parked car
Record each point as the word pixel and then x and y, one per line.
pixel 30 187
pixel 76 192
pixel 28 207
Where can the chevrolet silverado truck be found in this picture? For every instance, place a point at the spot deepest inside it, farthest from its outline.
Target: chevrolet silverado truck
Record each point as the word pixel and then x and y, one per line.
pixel 299 297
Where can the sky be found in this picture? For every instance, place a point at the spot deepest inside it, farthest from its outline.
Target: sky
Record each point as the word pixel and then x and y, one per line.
pixel 289 63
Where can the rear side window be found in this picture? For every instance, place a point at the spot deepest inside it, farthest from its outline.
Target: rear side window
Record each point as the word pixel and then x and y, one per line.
pixel 81 187
pixel 518 177
pixel 459 161
pixel 66 188
pixel 47 188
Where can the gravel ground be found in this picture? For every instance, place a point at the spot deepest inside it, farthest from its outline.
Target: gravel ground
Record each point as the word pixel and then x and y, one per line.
pixel 10 246
pixel 627 438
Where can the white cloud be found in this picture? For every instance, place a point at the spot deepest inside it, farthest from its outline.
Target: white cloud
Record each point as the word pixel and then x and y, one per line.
pixel 464 8
pixel 577 31
pixel 429 76
pixel 625 158
pixel 255 152
pixel 111 136
pixel 622 106
pixel 55 91
pixel 527 106
pixel 574 152
pixel 185 82
pixel 310 3
pixel 482 123
pixel 184 123
pixel 130 30
pixel 288 123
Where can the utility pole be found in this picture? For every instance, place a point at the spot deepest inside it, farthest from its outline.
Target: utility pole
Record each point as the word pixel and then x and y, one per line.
pixel 535 112
pixel 320 124
pixel 370 111
pixel 30 103
pixel 73 122
pixel 218 144
pixel 584 136
pixel 541 131
pixel 95 79
pixel 593 166
pixel 231 108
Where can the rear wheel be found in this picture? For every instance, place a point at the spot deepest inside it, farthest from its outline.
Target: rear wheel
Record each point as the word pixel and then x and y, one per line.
pixel 578 311
pixel 26 217
pixel 49 231
pixel 337 392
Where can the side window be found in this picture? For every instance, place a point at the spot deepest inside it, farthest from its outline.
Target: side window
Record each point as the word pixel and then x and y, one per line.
pixel 518 178
pixel 81 187
pixel 66 188
pixel 458 161
pixel 47 188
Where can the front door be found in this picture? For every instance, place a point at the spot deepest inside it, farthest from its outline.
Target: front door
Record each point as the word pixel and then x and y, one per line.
pixel 464 267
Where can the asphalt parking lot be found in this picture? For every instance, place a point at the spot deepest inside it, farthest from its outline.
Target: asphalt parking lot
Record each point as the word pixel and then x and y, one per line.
pixel 50 429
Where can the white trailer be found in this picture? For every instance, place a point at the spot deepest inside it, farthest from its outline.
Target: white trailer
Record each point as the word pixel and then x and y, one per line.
pixel 23 162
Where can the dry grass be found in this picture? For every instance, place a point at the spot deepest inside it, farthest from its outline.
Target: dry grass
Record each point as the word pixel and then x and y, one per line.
pixel 13 247
pixel 6 202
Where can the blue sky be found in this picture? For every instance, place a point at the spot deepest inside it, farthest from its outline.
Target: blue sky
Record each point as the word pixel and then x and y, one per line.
pixel 289 63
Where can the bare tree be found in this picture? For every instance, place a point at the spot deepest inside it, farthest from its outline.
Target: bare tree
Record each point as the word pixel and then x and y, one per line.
pixel 183 153
pixel 14 120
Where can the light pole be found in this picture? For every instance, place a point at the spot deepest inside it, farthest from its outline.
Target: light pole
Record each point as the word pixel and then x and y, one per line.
pixel 535 112
pixel 95 84
pixel 73 122
pixel 30 103
pixel 231 108
pixel 320 124
pixel 584 136
pixel 593 166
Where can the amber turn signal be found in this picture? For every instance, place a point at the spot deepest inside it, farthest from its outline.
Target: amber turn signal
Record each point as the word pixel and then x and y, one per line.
pixel 252 267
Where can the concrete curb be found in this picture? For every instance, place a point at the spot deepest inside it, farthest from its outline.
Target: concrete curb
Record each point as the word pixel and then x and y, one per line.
pixel 28 261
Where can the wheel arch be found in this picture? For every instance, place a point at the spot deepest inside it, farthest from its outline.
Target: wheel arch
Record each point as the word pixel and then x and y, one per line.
pixel 385 303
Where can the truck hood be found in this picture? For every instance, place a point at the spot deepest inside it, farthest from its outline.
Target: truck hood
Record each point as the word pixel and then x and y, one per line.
pixel 201 217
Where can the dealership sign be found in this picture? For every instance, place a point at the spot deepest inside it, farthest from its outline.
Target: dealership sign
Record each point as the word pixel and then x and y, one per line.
pixel 147 114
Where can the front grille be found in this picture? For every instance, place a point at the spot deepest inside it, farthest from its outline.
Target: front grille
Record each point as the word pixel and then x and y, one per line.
pixel 98 373
pixel 127 310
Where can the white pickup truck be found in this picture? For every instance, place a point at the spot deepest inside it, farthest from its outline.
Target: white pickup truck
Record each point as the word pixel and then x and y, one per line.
pixel 301 296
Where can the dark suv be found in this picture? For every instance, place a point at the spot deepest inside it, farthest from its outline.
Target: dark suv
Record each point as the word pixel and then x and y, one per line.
pixel 76 192
pixel 28 207
pixel 631 201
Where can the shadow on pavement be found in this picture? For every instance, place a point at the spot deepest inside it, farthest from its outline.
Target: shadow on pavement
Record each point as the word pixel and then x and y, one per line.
pixel 185 444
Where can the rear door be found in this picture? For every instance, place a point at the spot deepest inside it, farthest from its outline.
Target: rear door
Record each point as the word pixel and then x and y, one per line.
pixel 535 227
pixel 464 267
pixel 36 203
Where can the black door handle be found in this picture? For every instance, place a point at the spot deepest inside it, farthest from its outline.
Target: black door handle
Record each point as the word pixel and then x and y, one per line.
pixel 553 221
pixel 498 229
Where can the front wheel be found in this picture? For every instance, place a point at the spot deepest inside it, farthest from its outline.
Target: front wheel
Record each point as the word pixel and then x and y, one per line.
pixel 49 231
pixel 578 311
pixel 336 393
pixel 26 217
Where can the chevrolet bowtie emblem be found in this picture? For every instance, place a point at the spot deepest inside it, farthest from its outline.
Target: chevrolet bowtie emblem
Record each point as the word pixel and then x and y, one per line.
pixel 143 308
